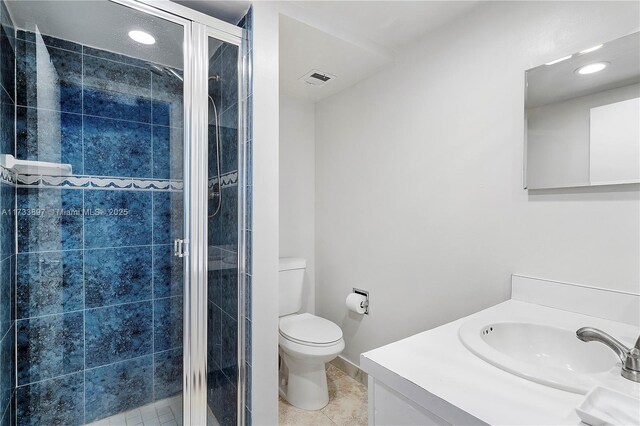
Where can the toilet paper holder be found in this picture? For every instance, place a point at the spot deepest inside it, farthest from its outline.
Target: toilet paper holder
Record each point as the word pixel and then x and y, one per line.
pixel 364 304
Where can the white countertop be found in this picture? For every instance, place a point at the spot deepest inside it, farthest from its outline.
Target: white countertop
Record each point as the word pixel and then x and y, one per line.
pixel 436 363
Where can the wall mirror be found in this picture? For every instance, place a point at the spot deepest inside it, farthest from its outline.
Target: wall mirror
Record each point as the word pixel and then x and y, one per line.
pixel 582 117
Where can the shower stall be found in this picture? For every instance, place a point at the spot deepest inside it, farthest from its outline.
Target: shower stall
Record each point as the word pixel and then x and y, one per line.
pixel 125 232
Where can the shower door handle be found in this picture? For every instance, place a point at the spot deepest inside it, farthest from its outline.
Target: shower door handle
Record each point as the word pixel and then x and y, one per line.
pixel 180 248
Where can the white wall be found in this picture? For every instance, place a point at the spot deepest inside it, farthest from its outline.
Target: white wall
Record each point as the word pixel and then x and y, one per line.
pixel 559 138
pixel 297 188
pixel 264 290
pixel 419 180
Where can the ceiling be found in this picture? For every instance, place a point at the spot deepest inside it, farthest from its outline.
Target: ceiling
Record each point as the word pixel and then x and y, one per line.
pixel 303 48
pixel 352 39
pixel 389 24
pixel 554 83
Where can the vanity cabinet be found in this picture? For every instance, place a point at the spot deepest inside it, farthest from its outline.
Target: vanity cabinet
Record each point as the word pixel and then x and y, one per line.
pixel 395 401
pixel 388 407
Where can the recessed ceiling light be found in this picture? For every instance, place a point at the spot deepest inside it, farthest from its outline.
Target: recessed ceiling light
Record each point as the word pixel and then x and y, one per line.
pixel 559 60
pixel 142 37
pixel 591 49
pixel 591 68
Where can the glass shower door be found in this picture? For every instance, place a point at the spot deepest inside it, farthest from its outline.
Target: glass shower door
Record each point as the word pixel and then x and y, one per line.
pixel 225 369
pixel 99 295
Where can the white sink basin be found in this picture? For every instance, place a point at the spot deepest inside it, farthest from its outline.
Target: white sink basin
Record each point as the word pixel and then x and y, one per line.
pixel 545 354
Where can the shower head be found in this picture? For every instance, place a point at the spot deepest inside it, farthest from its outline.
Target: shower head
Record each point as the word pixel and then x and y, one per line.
pixel 160 70
pixel 156 69
pixel 163 70
pixel 175 74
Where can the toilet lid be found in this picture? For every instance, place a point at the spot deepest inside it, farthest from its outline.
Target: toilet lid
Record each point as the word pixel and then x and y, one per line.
pixel 309 328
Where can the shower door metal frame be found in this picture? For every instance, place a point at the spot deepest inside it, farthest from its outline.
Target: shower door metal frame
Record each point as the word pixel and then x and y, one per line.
pixel 198 231
pixel 198 235
pixel 198 27
pixel 241 216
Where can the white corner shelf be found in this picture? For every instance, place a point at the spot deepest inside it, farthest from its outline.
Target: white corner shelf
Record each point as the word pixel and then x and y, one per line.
pixel 27 167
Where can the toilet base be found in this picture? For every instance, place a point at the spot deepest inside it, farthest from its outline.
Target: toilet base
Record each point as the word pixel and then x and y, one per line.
pixel 304 384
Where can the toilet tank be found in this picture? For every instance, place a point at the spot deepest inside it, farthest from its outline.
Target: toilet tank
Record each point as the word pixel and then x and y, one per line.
pixel 291 279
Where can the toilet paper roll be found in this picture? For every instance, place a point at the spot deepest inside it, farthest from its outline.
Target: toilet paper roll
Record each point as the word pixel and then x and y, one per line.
pixel 355 303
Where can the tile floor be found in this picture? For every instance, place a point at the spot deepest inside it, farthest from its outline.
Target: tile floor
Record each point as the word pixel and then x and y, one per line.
pixel 347 405
pixel 166 412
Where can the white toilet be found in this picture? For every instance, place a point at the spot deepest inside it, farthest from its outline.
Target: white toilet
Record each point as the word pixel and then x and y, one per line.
pixel 306 342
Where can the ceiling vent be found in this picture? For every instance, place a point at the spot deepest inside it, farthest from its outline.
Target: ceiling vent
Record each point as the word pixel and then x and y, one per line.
pixel 317 78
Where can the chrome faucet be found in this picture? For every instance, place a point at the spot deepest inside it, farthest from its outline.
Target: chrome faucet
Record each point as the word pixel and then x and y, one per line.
pixel 630 358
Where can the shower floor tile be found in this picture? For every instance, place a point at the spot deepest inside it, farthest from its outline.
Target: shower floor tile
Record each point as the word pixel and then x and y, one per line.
pixel 166 412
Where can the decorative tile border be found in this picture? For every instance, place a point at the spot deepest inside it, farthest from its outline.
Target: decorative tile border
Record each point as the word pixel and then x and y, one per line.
pixel 96 182
pixel 43 181
pixel 108 183
pixel 228 179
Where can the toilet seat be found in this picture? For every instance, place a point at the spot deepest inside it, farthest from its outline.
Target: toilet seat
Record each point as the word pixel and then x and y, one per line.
pixel 309 330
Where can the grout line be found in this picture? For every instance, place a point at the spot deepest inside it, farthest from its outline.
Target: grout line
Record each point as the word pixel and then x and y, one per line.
pixel 330 419
pixel 86 176
pixel 94 188
pixel 7 409
pixel 119 362
pixel 51 378
pixel 91 368
pixel 15 227
pixel 4 89
pixel 82 51
pixel 96 116
pixel 113 60
pixel 153 407
pixel 84 289
pixel 151 128
pixel 153 295
pixel 82 109
pixel 148 123
pixel 89 249
pixel 96 308
pixel 6 333
pixel 81 371
pixel 42 43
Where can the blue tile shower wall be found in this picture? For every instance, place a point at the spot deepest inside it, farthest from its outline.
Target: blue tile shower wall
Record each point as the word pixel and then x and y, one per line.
pixel 99 293
pixel 7 221
pixel 101 102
